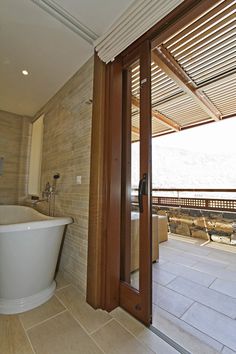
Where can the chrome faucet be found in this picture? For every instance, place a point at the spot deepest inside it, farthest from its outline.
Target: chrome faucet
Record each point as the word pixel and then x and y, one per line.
pixel 48 195
pixel 47 192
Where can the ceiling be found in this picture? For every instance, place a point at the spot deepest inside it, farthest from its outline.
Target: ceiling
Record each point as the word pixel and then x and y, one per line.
pixel 193 74
pixel 32 38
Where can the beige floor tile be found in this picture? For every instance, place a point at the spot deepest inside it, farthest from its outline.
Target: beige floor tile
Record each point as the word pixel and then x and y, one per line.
pixel 161 276
pixel 225 287
pixel 185 335
pixel 170 300
pixel 88 317
pixel 205 296
pixel 61 335
pixel 222 247
pixel 205 262
pixel 213 304
pixel 201 278
pixel 41 313
pixel 134 326
pixel 227 351
pixel 216 325
pixel 158 345
pixel 12 336
pixel 177 256
pixel 176 244
pixel 61 282
pixel 224 274
pixel 189 240
pixel 115 339
pixel 145 335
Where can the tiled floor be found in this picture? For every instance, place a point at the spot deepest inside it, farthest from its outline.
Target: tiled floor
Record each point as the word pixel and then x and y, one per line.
pixel 194 294
pixel 194 303
pixel 66 324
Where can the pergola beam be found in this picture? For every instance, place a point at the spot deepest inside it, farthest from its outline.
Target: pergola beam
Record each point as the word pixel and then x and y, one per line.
pixel 169 65
pixel 161 117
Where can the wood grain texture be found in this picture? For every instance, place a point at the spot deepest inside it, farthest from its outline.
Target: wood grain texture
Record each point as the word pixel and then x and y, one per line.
pixel 95 285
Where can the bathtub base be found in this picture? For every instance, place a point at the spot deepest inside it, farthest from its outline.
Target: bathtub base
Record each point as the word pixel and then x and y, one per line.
pixel 14 306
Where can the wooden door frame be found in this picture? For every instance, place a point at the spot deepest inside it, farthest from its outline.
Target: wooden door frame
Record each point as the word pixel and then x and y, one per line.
pixel 105 187
pixel 103 272
pixel 137 302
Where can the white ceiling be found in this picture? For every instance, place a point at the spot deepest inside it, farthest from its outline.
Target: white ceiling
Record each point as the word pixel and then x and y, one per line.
pixel 32 39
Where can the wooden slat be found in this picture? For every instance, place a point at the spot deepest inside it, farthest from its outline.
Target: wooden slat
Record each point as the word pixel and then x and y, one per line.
pixel 200 52
pixel 209 51
pixel 222 93
pixel 158 127
pixel 161 117
pixel 185 111
pixel 184 19
pixel 170 66
pixel 220 82
pixel 158 91
pixel 135 129
pixel 228 60
pixel 223 68
pixel 164 82
pixel 209 19
pixel 200 37
pixel 158 98
pixel 205 44
pixel 166 121
pixel 159 76
pixel 213 51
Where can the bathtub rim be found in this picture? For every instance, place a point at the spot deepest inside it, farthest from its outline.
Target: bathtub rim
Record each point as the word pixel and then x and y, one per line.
pixel 49 221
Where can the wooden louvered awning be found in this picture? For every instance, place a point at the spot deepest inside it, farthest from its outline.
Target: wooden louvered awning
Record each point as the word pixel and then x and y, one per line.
pixel 193 73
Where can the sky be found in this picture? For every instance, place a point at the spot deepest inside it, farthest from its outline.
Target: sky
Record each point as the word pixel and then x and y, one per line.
pixel 216 137
pixel 200 157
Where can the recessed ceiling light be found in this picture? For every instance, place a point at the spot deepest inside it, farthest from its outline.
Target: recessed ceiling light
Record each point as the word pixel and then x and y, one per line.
pixel 25 72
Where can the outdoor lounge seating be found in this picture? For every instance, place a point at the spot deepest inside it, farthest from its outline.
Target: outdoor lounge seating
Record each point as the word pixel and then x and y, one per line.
pixel 159 234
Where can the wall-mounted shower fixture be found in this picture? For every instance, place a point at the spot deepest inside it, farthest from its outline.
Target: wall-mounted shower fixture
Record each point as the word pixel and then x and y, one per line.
pixel 49 194
pixel 50 189
pixel 55 178
pixel 53 194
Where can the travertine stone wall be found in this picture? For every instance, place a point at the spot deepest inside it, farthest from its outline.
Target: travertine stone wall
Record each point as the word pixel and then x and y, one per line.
pixel 66 149
pixel 15 133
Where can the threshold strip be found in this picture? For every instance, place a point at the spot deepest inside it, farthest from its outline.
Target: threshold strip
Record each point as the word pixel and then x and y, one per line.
pixel 168 340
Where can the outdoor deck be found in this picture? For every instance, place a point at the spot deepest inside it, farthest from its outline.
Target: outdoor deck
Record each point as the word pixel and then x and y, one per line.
pixel 194 294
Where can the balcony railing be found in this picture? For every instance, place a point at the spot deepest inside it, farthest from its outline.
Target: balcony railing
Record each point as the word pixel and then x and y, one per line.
pixel 218 204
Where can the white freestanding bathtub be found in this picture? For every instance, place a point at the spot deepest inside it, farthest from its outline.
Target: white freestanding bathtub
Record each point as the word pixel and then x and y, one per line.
pixel 29 248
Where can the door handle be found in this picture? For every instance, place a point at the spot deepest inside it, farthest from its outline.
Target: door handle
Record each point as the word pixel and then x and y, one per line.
pixel 142 190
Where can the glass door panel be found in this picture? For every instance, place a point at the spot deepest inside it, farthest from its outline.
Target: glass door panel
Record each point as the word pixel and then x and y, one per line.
pixel 135 285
